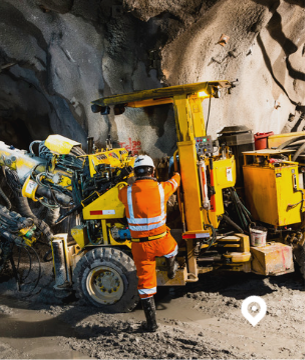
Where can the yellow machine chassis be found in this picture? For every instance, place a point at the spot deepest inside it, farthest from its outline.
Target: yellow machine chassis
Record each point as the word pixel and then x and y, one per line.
pixel 187 102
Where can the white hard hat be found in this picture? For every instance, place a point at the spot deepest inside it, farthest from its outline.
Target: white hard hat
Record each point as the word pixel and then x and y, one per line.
pixel 144 160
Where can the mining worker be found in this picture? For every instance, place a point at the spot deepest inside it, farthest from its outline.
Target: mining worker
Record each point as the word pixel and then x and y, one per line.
pixel 145 205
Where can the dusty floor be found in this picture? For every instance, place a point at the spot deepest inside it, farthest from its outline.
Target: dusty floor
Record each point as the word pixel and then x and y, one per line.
pixel 201 320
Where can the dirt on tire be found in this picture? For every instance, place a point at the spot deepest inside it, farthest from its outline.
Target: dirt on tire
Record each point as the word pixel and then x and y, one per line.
pixel 114 259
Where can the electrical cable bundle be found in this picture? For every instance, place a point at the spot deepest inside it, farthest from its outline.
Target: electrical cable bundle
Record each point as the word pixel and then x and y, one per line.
pixel 7 243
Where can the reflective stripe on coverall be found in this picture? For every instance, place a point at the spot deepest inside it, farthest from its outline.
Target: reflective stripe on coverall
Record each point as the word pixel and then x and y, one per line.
pixel 145 204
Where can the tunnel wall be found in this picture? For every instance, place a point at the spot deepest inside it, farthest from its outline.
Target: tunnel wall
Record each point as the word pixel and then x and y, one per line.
pixel 58 56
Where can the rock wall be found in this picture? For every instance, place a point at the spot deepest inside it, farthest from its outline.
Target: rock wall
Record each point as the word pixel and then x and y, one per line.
pixel 57 56
pixel 265 53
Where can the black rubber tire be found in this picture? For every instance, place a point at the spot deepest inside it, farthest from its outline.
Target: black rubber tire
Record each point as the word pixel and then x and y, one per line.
pixel 299 257
pixel 116 260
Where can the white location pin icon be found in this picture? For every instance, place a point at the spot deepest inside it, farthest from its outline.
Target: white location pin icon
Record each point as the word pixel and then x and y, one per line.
pixel 256 318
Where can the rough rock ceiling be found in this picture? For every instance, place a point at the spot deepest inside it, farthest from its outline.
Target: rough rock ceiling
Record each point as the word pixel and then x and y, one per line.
pixel 58 55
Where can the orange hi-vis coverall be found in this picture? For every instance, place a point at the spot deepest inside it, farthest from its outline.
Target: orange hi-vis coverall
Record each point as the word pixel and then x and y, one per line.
pixel 145 205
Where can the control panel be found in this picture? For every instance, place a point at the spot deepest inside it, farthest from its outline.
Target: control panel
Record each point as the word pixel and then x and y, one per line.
pixel 204 144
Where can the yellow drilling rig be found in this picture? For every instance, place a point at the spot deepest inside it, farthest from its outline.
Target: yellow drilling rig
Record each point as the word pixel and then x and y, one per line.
pixel 227 189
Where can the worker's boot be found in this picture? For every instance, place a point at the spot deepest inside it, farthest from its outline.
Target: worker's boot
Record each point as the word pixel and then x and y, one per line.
pixel 149 308
pixel 172 267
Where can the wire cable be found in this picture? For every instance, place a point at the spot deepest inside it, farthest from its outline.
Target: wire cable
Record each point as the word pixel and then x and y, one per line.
pixel 31 146
pixel 39 273
pixel 208 118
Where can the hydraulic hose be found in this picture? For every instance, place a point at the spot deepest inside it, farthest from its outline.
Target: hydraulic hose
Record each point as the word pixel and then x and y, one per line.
pixel 242 212
pixel 9 236
pixel 77 151
pixel 213 240
pixel 52 216
pixel 13 180
pixel 46 257
pixel 25 210
pixel 179 193
pixel 246 212
pixel 290 141
pixel 23 204
pixel 31 146
pixel 213 234
pixel 13 221
pixel 6 199
pixel 243 218
pixel 232 223
pixel 302 202
pixel 28 249
pixel 45 229
pixel 239 212
pixel 64 216
pixel 299 151
pixel 61 198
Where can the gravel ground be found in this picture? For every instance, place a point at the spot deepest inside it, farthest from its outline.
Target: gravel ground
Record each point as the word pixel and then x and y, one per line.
pixel 201 320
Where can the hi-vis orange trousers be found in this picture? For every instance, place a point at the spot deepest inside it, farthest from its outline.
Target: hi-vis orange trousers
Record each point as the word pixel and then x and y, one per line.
pixel 144 256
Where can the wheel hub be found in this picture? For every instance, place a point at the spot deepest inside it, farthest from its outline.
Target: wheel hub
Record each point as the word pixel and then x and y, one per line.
pixel 105 285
